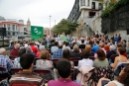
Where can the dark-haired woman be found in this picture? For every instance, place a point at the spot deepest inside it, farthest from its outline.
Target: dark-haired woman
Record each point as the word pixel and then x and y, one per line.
pixel 101 61
pixel 119 59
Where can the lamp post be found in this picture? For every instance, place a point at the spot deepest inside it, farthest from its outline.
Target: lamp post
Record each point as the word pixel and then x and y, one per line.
pixel 50 21
pixel 50 24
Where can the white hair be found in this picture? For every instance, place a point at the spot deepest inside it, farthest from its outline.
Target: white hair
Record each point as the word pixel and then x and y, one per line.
pixel 112 47
pixel 2 50
pixel 17 45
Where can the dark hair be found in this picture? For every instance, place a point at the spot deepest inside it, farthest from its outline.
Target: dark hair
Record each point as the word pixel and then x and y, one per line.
pixel 22 51
pixel 45 54
pixel 66 53
pixel 122 50
pixel 27 60
pixel 101 55
pixel 124 78
pixel 85 54
pixel 64 68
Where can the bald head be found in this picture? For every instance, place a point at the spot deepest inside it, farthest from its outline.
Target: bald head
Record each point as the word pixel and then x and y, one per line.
pixel 2 51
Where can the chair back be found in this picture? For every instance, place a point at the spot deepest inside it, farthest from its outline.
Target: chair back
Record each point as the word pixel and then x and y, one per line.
pixel 120 67
pixel 23 83
pixel 15 70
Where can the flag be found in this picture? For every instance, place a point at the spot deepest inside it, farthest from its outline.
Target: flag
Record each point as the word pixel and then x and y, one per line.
pixel 36 32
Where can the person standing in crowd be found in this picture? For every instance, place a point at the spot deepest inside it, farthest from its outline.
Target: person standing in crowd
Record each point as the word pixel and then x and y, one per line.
pixel 64 70
pixel 5 63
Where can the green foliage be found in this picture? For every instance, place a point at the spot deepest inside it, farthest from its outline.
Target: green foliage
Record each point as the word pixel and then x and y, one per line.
pixel 64 26
pixel 114 6
pixel 108 10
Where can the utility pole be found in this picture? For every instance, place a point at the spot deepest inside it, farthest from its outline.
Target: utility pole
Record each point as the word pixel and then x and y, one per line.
pixel 50 25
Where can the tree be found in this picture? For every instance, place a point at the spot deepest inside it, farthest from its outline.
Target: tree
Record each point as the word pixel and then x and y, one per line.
pixel 64 26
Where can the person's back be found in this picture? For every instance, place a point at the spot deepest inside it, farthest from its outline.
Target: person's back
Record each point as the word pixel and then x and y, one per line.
pixel 99 63
pixel 62 82
pixel 26 75
pixel 43 62
pixel 85 59
pixel 5 63
pixel 64 70
pixel 119 59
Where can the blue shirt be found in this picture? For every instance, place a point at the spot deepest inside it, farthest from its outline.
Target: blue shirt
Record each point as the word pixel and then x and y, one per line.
pixel 57 54
pixel 6 63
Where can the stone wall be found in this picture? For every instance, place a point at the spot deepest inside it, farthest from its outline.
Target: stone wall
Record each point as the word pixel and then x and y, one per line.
pixel 75 12
pixel 118 20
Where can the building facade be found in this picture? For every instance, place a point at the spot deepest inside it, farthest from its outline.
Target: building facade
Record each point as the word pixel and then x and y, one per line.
pixel 15 29
pixel 90 13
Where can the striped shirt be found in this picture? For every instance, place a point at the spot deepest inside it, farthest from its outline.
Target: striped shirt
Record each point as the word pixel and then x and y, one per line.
pixel 6 63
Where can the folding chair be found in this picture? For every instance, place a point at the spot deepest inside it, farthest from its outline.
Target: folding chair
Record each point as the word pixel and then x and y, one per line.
pixel 45 74
pixel 119 67
pixel 15 70
pixel 23 83
pixel 2 69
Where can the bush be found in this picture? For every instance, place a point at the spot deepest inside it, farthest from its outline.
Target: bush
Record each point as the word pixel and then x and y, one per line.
pixel 114 6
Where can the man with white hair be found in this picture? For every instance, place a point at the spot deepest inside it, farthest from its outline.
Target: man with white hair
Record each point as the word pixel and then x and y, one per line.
pixel 14 51
pixel 5 63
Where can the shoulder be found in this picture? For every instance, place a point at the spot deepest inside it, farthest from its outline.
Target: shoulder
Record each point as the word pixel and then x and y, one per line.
pixel 75 84
pixel 52 82
pixel 114 83
pixel 96 61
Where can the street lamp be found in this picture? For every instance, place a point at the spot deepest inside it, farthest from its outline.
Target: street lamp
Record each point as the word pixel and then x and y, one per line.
pixel 50 21
pixel 50 25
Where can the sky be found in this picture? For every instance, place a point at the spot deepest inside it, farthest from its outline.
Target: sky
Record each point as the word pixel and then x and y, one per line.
pixel 38 11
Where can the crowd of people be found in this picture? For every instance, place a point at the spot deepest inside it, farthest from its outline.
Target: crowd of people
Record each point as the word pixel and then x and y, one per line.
pixel 92 61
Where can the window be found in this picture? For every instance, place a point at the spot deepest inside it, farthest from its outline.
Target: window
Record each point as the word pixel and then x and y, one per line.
pixel 93 5
pixel 13 33
pixel 92 14
pixel 82 2
pixel 88 2
pixel 4 25
pixel 8 28
pixel 8 33
pixel 13 27
pixel 100 6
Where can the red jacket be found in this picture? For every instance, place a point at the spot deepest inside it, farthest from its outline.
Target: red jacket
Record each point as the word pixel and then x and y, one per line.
pixel 14 53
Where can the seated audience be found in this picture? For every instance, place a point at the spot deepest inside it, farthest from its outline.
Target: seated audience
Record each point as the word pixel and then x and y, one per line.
pixel 26 75
pixel 76 52
pixel 85 60
pixel 119 59
pixel 66 56
pixel 16 62
pixel 5 63
pixel 58 53
pixel 122 80
pixel 14 51
pixel 101 61
pixel 64 71
pixel 44 62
